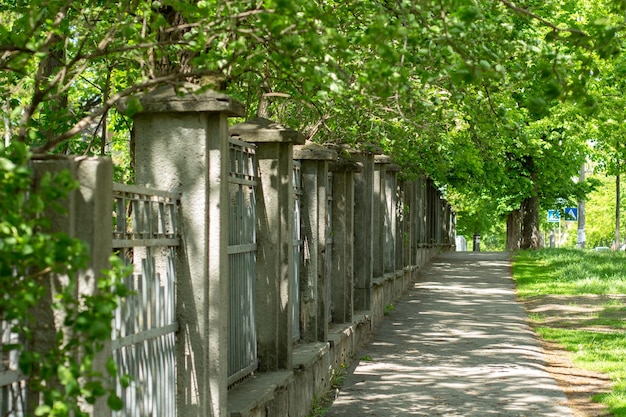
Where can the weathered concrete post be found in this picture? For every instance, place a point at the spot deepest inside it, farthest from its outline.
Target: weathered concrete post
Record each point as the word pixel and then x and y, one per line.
pixel 181 144
pixel 390 248
pixel 314 159
pixel 409 229
pixel 275 214
pixel 431 211
pixel 343 239
pixel 363 231
pixel 422 224
pixel 381 214
pixel 89 219
pixel 439 218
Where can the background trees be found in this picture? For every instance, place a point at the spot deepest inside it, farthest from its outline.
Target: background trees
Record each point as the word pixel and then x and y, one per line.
pixel 471 93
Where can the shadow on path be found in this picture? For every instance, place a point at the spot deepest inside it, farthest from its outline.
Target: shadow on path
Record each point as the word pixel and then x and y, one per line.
pixel 457 344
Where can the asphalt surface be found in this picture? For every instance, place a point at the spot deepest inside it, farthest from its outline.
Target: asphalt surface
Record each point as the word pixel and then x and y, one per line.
pixel 457 344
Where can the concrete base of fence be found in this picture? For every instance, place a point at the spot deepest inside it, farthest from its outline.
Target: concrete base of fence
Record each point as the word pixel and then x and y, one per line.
pixel 285 393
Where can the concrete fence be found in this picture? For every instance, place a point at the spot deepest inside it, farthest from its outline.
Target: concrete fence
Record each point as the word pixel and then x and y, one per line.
pixel 337 236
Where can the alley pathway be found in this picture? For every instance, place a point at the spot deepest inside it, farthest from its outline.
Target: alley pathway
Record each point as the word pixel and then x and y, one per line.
pixel 456 345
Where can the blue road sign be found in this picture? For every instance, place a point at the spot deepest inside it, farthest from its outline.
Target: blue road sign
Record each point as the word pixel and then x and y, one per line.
pixel 571 214
pixel 554 216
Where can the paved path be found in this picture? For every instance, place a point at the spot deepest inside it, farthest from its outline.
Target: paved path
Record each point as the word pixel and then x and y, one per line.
pixel 457 344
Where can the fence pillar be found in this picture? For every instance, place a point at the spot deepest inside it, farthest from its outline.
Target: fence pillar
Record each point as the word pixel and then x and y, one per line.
pixel 431 204
pixel 392 250
pixel 382 216
pixel 409 220
pixel 275 223
pixel 314 282
pixel 439 218
pixel 363 230
pixel 89 219
pixel 404 225
pixel 422 203
pixel 343 239
pixel 181 144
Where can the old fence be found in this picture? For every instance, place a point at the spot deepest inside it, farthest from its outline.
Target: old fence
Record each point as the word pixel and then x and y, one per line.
pixel 146 235
pixel 257 273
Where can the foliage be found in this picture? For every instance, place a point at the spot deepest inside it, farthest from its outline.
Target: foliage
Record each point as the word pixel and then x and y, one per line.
pixel 570 272
pixel 600 214
pixel 30 258
pixel 475 94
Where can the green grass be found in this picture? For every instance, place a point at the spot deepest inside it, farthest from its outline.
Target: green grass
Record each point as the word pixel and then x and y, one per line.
pixel 577 272
pixel 569 272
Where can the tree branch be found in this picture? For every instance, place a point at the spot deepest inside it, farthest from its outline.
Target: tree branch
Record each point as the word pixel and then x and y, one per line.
pixel 106 106
pixel 532 15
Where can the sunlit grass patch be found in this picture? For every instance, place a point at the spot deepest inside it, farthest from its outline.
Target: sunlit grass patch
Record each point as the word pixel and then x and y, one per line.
pixel 569 272
pixel 595 337
pixel 597 351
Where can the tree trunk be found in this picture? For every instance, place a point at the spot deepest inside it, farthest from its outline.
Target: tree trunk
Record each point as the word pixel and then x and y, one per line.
pixel 168 61
pixel 530 223
pixel 617 210
pixel 513 229
pixel 58 97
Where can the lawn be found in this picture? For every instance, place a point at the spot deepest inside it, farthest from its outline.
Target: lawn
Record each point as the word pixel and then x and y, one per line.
pixel 591 287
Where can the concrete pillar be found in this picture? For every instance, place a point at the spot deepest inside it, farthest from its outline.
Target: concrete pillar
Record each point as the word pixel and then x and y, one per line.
pixel 431 203
pixel 410 222
pixel 181 144
pixel 314 280
pixel 275 262
pixel 382 218
pixel 403 225
pixel 391 247
pixel 88 218
pixel 422 201
pixel 343 239
pixel 363 230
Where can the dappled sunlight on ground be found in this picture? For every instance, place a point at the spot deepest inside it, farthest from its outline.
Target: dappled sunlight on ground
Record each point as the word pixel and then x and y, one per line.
pixel 457 345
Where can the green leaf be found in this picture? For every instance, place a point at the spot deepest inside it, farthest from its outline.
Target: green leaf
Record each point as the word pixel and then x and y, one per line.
pixel 114 402
pixel 111 367
pixel 43 410
pixel 6 164
pixel 65 375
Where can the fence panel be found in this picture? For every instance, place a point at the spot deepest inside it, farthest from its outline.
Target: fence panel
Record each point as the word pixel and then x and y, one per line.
pixel 242 352
pixel 146 235
pixel 12 382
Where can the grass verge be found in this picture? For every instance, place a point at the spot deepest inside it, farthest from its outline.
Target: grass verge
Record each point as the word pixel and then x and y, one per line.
pixel 596 340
